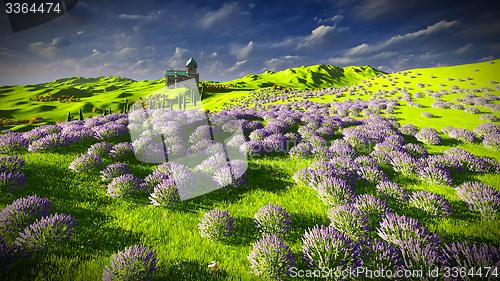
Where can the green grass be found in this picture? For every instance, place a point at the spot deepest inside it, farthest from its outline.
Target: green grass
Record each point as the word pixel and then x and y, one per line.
pixel 107 225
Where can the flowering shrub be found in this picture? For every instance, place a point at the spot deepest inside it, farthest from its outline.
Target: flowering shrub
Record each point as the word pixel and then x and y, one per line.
pixel 434 175
pixel 480 198
pixel 377 254
pixel 121 150
pixel 124 184
pixel 21 213
pixel 392 191
pixel 114 170
pixel 85 162
pixel 408 129
pixel 37 236
pixel 216 224
pixel 273 219
pixel 165 194
pixel 334 191
pixel 372 207
pixel 11 163
pixel 428 136
pixel 349 220
pixel 430 203
pixel 101 149
pixel 11 181
pixel 419 255
pixel 397 230
pixel 471 255
pixel 324 246
pixel 13 143
pixel 271 258
pixel 136 262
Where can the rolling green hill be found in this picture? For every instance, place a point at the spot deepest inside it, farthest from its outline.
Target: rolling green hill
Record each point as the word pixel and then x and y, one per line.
pixel 50 102
pixel 306 77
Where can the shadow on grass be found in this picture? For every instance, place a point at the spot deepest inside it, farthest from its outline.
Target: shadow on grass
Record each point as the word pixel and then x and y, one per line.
pixel 302 222
pixel 189 271
pixel 245 233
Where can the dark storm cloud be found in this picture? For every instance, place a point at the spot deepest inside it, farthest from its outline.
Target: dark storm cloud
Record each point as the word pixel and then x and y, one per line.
pixel 139 39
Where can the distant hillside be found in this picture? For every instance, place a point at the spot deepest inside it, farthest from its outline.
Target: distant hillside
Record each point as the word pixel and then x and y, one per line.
pixel 307 77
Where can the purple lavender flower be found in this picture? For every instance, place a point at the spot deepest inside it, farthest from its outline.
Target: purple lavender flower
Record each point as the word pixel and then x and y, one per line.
pixel 341 147
pixel 415 150
pixel 45 231
pixel 302 149
pixel 426 114
pixel 114 170
pixel 258 135
pixel 434 175
pixel 377 254
pixel 372 174
pixel 392 191
pixel 397 230
pixel 13 143
pixel 372 207
pixel 408 129
pixel 121 150
pixel 48 142
pixel 273 219
pixel 165 194
pixel 11 181
pixel 85 162
pixel 11 163
pixel 403 163
pixel 349 220
pixel 155 178
pixel 480 198
pixel 472 255
pixel 216 224
pixel 462 135
pixel 419 255
pixel 324 246
pixel 334 191
pixel 109 131
pixel 492 140
pixel 101 149
pixel 430 203
pixel 271 258
pixel 275 143
pixel 136 262
pixel 253 147
pixel 20 213
pixel 428 136
pixel 487 128
pixel 124 184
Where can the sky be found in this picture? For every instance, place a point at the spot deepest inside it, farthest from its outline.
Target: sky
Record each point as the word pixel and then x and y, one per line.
pixel 141 39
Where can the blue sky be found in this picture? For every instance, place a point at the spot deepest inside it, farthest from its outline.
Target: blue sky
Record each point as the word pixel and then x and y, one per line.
pixel 140 39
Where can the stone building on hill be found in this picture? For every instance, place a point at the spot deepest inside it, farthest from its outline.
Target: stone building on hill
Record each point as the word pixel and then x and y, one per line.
pixel 173 76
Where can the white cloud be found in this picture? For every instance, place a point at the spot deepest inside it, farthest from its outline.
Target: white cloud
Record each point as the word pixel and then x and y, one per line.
pixel 237 66
pixel 178 59
pixel 276 64
pixel 78 33
pixel 150 16
pixel 334 19
pixel 50 49
pixel 95 52
pixel 214 17
pixel 464 49
pixel 126 51
pixel 318 35
pixel 214 55
pixel 358 50
pixel 431 29
pixel 488 58
pixel 242 53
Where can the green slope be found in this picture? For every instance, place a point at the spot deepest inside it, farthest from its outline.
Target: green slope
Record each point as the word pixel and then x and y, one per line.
pixel 306 77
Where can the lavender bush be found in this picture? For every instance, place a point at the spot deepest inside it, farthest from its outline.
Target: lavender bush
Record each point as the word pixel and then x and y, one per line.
pixel 113 171
pixel 100 149
pixel 376 254
pixel 11 181
pixel 324 246
pixel 392 191
pixel 472 255
pixel 430 203
pixel 21 213
pixel 123 185
pixel 85 162
pixel 121 150
pixel 372 207
pixel 428 136
pixel 165 194
pixel 349 220
pixel 216 224
pixel 39 235
pixel 397 229
pixel 136 262
pixel 480 198
pixel 273 219
pixel 271 258
pixel 334 191
pixel 11 163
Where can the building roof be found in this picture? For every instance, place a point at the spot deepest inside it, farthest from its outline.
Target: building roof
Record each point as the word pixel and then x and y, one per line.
pixel 191 63
pixel 173 72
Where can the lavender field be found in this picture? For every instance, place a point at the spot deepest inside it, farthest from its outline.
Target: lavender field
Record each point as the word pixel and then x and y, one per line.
pixel 398 172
